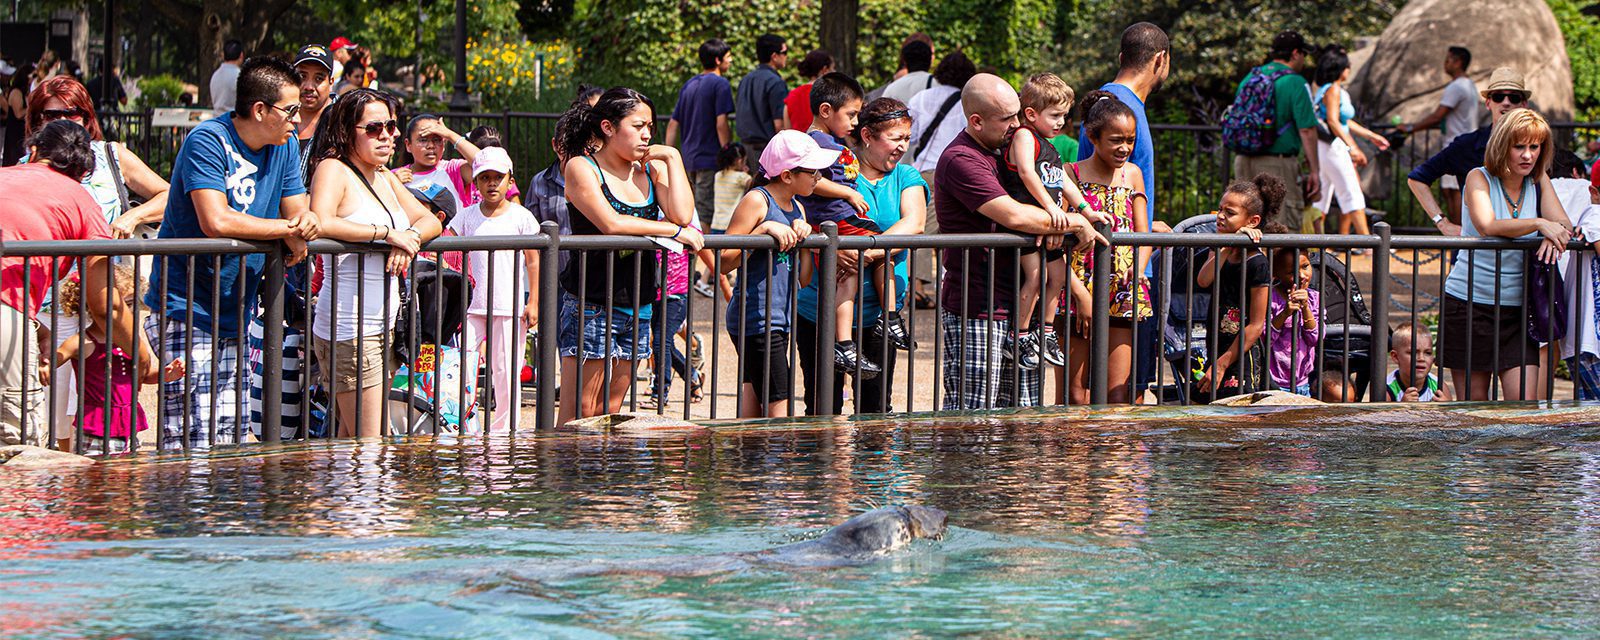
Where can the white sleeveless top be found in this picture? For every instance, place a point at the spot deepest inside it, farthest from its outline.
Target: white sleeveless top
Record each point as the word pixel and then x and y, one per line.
pixel 360 294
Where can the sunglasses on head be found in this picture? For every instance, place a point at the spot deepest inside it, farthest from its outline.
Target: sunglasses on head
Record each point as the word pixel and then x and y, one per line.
pixel 51 115
pixel 1513 97
pixel 377 127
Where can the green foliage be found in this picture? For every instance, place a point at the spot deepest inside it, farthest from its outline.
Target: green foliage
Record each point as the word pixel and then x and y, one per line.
pixel 650 44
pixel 159 91
pixel 1582 33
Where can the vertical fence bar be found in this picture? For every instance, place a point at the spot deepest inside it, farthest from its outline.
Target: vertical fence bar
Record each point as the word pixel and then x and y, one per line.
pixel 1099 335
pixel 549 324
pixel 826 331
pixel 1377 357
pixel 272 296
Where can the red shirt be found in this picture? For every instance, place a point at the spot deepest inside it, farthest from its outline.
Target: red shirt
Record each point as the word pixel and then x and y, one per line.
pixel 798 106
pixel 54 207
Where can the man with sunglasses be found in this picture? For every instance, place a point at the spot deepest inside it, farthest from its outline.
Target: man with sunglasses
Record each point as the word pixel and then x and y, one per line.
pixel 758 105
pixel 236 176
pixel 1505 92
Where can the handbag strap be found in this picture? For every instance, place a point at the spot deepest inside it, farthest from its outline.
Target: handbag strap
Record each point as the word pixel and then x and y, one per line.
pixel 393 223
pixel 116 175
pixel 938 119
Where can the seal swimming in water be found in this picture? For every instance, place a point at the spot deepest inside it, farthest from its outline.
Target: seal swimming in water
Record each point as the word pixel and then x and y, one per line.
pixel 861 540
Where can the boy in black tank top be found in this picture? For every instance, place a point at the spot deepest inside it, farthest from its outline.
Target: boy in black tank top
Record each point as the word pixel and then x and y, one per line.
pixel 1035 174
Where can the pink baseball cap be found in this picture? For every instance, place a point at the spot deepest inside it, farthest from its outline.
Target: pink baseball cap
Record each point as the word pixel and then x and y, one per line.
pixel 492 159
pixel 791 149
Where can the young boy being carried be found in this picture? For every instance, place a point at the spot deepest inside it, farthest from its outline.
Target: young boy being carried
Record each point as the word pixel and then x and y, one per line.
pixel 1035 174
pixel 836 100
pixel 1411 348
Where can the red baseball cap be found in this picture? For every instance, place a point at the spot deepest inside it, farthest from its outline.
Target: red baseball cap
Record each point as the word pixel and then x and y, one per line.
pixel 340 43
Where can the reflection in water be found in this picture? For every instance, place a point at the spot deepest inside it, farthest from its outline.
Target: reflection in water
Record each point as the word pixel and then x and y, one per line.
pixel 1126 526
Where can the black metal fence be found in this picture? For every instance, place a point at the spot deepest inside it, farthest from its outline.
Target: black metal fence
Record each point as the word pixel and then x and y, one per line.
pixel 1193 166
pixel 436 385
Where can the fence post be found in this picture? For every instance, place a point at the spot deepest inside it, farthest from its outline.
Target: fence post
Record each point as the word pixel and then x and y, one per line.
pixel 1378 352
pixel 1099 338
pixel 272 300
pixel 549 367
pixel 826 332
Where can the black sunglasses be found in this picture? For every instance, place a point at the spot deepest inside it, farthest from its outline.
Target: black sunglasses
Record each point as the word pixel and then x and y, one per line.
pixel 377 127
pixel 1513 97
pixel 51 115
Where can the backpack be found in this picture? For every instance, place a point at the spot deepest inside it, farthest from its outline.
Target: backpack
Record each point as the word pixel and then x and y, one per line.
pixel 1248 125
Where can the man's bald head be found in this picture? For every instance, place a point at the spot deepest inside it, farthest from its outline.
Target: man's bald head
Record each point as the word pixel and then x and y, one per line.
pixel 991 106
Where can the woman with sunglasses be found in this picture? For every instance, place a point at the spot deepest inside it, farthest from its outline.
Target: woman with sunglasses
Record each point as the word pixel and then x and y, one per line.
pixel 359 200
pixel 119 174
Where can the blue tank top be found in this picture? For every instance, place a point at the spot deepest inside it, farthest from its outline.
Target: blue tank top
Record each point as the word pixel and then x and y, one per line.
pixel 1483 284
pixel 766 274
pixel 1346 109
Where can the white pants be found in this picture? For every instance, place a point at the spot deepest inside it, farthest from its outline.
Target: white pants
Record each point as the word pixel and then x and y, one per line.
pixel 19 377
pixel 1339 178
pixel 508 336
pixel 64 382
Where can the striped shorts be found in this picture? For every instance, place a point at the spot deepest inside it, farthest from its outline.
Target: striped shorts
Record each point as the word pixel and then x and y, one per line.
pixel 975 375
pixel 202 408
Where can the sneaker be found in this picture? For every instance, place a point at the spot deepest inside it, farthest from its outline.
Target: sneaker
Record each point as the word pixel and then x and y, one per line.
pixel 1027 350
pixel 846 360
pixel 1052 349
pixel 704 289
pixel 892 328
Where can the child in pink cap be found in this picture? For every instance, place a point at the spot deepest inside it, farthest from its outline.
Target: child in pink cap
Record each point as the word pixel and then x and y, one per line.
pixel 505 319
pixel 758 315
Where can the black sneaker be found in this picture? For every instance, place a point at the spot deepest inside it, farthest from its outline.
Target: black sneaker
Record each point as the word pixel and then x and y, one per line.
pixel 892 328
pixel 1027 350
pixel 846 359
pixel 1052 349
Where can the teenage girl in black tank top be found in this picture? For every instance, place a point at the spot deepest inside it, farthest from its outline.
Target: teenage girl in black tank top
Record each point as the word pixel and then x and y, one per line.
pixel 617 184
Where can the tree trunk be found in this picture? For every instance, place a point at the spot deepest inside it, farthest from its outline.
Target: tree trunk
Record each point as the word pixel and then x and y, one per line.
pixel 841 21
pixel 218 21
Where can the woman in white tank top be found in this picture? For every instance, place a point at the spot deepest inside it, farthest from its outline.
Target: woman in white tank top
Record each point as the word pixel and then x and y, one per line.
pixel 358 200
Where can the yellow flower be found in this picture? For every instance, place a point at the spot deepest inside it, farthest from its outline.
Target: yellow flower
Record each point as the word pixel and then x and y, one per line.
pixel 561 60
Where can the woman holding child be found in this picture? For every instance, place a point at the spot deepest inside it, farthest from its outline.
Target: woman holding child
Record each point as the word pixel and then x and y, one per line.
pixel 617 184
pixel 359 200
pixel 897 200
pixel 1510 197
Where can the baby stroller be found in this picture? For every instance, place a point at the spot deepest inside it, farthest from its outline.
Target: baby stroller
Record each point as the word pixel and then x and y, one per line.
pixel 435 362
pixel 1187 314
pixel 1341 339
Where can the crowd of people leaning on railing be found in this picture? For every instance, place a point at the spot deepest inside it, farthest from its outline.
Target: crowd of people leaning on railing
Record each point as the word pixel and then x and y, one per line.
pixel 969 154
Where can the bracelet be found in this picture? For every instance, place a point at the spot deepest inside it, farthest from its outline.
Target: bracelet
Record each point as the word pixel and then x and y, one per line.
pixel 1082 206
pixel 675 234
pixel 374 233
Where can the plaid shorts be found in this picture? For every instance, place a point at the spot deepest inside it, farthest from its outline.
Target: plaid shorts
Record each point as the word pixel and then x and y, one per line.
pixel 209 404
pixel 1585 368
pixel 978 377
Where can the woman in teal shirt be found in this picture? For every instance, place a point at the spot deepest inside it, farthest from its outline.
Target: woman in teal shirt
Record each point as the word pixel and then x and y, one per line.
pixel 897 200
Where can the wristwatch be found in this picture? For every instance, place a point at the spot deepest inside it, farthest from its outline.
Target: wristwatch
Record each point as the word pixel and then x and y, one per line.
pixel 1436 218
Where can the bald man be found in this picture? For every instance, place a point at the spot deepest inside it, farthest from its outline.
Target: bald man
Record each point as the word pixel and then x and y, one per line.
pixel 979 372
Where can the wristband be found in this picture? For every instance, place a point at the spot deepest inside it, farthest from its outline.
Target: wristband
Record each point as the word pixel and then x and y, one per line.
pixel 1082 207
pixel 675 234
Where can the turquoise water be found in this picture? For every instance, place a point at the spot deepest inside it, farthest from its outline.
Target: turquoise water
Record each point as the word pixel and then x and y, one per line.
pixel 1336 522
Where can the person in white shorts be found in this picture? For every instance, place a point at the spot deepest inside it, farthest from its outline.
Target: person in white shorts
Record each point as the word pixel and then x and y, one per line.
pixel 1336 145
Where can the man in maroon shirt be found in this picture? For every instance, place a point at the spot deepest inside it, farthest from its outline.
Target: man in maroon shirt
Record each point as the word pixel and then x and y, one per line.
pixel 968 198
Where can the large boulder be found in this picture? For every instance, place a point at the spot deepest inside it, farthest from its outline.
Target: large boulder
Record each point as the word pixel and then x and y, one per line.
pixel 1403 72
pixel 21 456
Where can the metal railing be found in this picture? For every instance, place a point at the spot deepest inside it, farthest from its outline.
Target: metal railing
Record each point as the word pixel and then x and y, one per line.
pixel 432 306
pixel 1193 166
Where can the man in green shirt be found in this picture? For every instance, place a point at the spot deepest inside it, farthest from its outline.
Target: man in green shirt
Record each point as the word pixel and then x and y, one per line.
pixel 1292 101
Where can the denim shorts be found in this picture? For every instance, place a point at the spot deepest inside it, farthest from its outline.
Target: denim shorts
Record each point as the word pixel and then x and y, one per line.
pixel 596 330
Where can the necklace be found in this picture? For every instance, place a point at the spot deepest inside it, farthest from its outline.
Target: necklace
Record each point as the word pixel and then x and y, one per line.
pixel 1516 207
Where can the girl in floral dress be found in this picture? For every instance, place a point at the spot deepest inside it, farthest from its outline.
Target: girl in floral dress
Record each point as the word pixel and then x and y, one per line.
pixel 1112 186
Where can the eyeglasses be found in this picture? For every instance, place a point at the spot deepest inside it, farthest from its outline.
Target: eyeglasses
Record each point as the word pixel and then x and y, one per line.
pixel 288 112
pixel 51 115
pixel 430 141
pixel 808 172
pixel 1513 97
pixel 378 127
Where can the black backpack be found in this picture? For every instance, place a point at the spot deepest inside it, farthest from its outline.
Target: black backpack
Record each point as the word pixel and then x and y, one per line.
pixel 1333 283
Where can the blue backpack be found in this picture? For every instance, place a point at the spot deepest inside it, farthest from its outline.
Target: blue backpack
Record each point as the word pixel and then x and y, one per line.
pixel 1248 125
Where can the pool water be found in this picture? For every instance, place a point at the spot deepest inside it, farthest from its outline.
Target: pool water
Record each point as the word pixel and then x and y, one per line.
pixel 1328 522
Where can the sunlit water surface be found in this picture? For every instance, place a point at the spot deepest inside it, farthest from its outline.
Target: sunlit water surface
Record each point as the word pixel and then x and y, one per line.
pixel 1208 523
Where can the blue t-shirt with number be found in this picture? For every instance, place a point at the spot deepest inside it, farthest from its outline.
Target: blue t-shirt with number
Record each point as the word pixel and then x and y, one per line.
pixel 254 182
